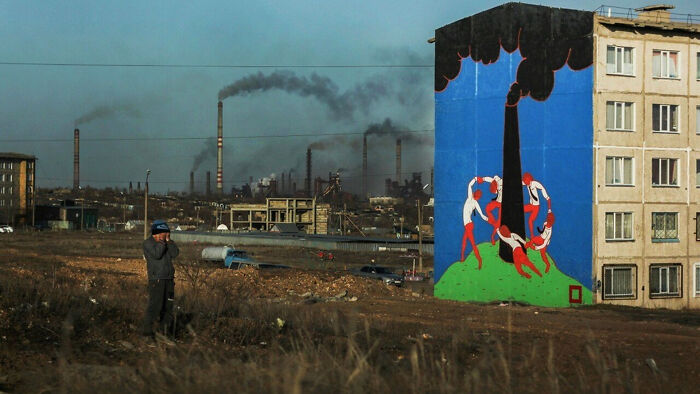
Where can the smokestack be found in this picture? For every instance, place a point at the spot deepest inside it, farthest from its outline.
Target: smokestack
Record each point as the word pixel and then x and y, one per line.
pixel 138 186
pixel 289 182
pixel 208 183
pixel 308 172
pixel 364 167
pixel 273 187
pixel 131 187
pixel 282 186
pixel 76 159
pixel 191 182
pixel 220 150
pixel 398 160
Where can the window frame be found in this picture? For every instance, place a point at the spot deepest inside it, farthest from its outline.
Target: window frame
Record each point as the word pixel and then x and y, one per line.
pixel 668 53
pixel 697 173
pixel 696 274
pixel 668 172
pixel 621 105
pixel 615 159
pixel 697 119
pixel 622 238
pixel 668 130
pixel 620 51
pixel 679 280
pixel 633 285
pixel 697 226
pixel 653 230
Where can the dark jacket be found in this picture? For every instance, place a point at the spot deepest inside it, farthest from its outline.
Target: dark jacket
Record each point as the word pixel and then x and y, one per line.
pixel 159 258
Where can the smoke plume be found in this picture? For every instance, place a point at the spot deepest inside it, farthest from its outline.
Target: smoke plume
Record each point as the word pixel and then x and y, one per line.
pixel 563 38
pixel 106 111
pixel 342 106
pixel 208 152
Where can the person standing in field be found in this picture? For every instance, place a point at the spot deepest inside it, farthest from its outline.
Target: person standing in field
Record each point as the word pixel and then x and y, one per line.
pixel 159 251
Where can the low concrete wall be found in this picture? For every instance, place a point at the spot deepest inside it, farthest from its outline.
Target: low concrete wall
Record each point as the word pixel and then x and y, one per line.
pixel 244 240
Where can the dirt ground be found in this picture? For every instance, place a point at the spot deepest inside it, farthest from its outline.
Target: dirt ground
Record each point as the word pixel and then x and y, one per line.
pixel 71 304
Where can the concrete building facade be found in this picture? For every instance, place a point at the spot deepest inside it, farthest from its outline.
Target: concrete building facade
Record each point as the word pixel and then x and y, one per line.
pixel 589 118
pixel 647 159
pixel 17 183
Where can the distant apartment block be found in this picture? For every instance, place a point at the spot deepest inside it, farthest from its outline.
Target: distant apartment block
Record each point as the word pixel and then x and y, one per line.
pixel 17 182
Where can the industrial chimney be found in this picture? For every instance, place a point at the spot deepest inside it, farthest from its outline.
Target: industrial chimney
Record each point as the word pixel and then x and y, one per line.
pixel 289 183
pixel 282 191
pixel 191 183
pixel 308 172
pixel 131 187
pixel 364 167
pixel 398 160
pixel 76 159
pixel 208 183
pixel 220 150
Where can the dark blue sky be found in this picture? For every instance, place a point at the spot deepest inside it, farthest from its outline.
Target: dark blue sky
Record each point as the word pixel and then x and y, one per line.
pixel 43 102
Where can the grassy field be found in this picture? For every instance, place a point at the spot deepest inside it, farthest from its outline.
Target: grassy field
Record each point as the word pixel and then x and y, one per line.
pixel 70 305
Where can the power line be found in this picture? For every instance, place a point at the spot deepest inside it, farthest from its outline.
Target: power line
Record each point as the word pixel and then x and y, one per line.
pixel 240 66
pixel 184 138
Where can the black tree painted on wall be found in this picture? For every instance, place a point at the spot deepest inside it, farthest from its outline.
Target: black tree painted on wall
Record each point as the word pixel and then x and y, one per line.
pixel 548 39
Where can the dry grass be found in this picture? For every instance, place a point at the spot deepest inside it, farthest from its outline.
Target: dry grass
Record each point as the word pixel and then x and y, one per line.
pixel 69 329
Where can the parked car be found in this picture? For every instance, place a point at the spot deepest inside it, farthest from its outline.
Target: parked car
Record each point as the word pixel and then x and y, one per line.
pixel 382 273
pixel 6 229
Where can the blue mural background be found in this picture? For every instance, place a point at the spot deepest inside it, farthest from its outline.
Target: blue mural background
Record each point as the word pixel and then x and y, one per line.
pixel 556 147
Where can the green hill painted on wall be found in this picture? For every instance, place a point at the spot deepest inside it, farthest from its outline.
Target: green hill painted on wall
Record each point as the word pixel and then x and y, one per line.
pixel 499 281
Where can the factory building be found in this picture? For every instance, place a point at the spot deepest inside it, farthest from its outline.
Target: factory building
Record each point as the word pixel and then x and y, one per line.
pixel 17 177
pixel 306 214
pixel 580 132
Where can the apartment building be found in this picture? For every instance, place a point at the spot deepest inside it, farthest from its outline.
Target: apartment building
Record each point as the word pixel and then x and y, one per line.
pixel 647 158
pixel 580 133
pixel 17 176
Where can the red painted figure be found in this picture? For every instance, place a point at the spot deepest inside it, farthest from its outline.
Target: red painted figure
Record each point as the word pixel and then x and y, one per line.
pixel 496 187
pixel 533 208
pixel 471 205
pixel 519 256
pixel 540 242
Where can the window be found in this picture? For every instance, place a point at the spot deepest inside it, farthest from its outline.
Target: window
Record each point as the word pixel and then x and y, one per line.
pixel 696 270
pixel 664 280
pixel 620 60
pixel 619 116
pixel 697 226
pixel 697 119
pixel 2 203
pixel 664 118
pixel 664 64
pixel 664 172
pixel 2 177
pixel 618 170
pixel 697 65
pixel 697 172
pixel 619 281
pixel 2 189
pixel 9 165
pixel 664 226
pixel 618 226
pixel 9 177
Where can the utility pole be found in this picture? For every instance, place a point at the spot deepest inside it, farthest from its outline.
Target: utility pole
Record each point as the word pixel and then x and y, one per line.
pixel 420 236
pixel 145 207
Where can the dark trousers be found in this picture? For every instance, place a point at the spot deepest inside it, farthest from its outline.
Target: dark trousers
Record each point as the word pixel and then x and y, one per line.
pixel 161 295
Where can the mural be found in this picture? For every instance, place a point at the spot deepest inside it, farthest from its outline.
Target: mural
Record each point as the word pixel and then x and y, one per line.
pixel 513 150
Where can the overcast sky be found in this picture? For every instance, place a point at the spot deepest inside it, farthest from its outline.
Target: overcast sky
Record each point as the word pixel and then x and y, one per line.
pixel 44 102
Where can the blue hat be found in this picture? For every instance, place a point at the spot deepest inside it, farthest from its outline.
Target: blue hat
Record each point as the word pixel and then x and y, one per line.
pixel 159 226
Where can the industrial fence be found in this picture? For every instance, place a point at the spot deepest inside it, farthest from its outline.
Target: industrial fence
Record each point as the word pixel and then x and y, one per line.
pixel 315 243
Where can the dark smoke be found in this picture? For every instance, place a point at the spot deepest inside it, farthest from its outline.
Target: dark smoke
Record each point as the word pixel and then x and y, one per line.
pixel 208 152
pixel 341 105
pixel 389 129
pixel 563 38
pixel 106 111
